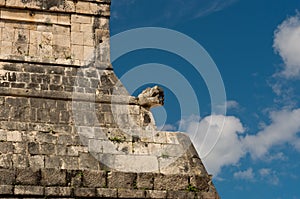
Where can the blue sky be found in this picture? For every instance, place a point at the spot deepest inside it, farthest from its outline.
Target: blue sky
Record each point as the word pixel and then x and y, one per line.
pixel 256 47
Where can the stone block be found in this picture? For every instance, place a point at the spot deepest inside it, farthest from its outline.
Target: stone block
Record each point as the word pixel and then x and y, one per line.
pixel 121 180
pixel 65 139
pixel 89 52
pixel 53 177
pixel 172 138
pixel 104 10
pixel 61 149
pixel 127 193
pixel 143 148
pixel 6 161
pixel 58 191
pixel 6 147
pixel 144 163
pixel 160 137
pixel 184 140
pixel 197 166
pixel 69 162
pixel 20 160
pixel 27 176
pixel 173 165
pixel 36 161
pixel 156 194
pixel 80 19
pixel 181 194
pixel 14 136
pixel 145 181
pixel 6 47
pixel 75 150
pixel 60 30
pixel 3 135
pixel 29 190
pixel 62 40
pixel 47 38
pixel 208 195
pixel 106 193
pixel 15 3
pixel 20 147
pixel 82 7
pixel 53 162
pixel 76 178
pixel 77 52
pixel 47 149
pixel 33 148
pixel 63 19
pixel 85 192
pixel 171 182
pixel 77 38
pixel 87 161
pixel 7 176
pixel 110 147
pixel 8 34
pixel 88 39
pixel 6 189
pixel 94 178
pixel 200 182
pixel 46 137
pixel 95 8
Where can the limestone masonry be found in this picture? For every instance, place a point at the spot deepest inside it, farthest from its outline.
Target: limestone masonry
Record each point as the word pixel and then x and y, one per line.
pixel 68 127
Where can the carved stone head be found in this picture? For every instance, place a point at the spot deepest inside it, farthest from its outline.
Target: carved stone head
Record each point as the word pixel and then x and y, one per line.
pixel 151 97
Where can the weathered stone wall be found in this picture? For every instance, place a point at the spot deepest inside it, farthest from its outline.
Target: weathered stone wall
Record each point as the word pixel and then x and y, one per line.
pixel 68 127
pixel 56 31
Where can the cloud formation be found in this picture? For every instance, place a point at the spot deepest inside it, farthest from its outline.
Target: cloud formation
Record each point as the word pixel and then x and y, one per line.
pixel 286 44
pixel 225 130
pixel 244 175
pixel 283 129
pixel 268 175
pixel 233 144
pixel 229 105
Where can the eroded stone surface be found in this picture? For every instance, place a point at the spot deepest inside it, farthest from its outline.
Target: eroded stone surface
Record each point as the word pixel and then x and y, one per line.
pixel 68 127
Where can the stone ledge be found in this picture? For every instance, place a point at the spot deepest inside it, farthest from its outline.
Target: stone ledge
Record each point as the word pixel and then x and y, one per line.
pixel 127 193
pixel 68 96
pixel 81 193
pixel 58 191
pixel 86 7
pixel 39 17
pixel 29 190
pixel 6 189
pixel 91 182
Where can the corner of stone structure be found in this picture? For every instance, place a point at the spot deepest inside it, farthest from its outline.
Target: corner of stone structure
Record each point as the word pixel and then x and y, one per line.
pixel 68 127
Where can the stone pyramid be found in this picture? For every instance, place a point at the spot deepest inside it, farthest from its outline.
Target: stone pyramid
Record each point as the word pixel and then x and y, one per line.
pixel 68 127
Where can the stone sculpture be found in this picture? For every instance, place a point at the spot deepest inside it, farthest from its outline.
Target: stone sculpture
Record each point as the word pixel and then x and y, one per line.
pixel 151 97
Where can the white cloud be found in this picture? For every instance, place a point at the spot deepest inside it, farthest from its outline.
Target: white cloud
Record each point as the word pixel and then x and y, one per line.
pixel 268 175
pixel 277 156
pixel 296 144
pixel 232 145
pixel 283 129
pixel 217 141
pixel 286 44
pixel 215 6
pixel 228 105
pixel 264 172
pixel 244 175
pixel 232 104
